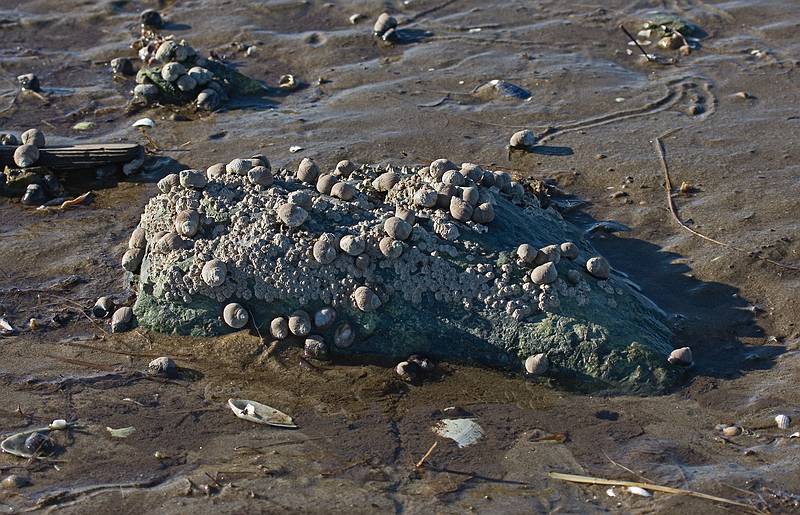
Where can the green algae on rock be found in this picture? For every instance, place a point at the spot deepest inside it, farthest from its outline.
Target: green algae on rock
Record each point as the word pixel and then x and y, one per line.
pixel 458 286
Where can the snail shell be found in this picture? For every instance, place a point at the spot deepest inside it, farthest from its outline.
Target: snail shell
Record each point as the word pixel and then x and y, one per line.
pixel 171 71
pixel 33 137
pixel 344 336
pixel 39 443
pixel 548 254
pixel 169 182
pixel 408 371
pixel 307 171
pixel 200 75
pixel 193 179
pixel 238 167
pixel 300 323
pixel 527 253
pixel 162 366
pixel 502 181
pixel 15 481
pixel 166 51
pixel 385 181
pixel 390 247
pixel 438 167
pixel 324 250
pixel 598 267
pixel 324 317
pixel 537 364
pixel 425 198
pixel 279 328
pixel 292 215
pixel 344 168
pixel 544 274
pixel 366 299
pixel 343 191
pixel 460 210
pixel 424 363
pixel 405 214
pixel 146 93
pixel 352 245
pixel 569 250
pixel 208 100
pixel 103 307
pixel 471 195
pixel 214 273
pixel 472 171
pixel 488 179
pixel 383 24
pixel 444 193
pixel 325 182
pixel 453 177
pixel 132 260
pixel 187 222
pixel 121 319
pixel 235 315
pixel 171 241
pixel 34 195
pixel 215 171
pixel 522 139
pixel 682 357
pixel 186 83
pixel 315 348
pixel 26 155
pixel 260 175
pixel 783 421
pixel 397 228
pixel 138 239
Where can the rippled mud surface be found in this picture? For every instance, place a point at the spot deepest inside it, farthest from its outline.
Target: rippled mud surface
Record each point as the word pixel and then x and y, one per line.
pixel 361 428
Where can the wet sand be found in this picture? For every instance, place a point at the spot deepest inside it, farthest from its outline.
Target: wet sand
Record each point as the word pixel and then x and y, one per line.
pixel 361 428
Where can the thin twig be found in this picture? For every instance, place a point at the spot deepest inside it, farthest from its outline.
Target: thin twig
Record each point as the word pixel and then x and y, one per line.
pixel 659 146
pixel 427 454
pixel 623 467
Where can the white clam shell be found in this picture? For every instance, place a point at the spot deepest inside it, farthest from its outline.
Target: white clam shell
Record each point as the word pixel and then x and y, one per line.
pixel 144 122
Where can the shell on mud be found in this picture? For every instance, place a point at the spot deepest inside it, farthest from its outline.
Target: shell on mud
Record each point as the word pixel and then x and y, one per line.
pixel 324 317
pixel 315 348
pixel 122 319
pixel 260 413
pixel 307 171
pixel 26 155
pixel 132 260
pixel 682 357
pixel 14 481
pixel 384 23
pixel 214 272
pixel 103 307
pixel 187 222
pixel 300 323
pixel 783 421
pixel 544 274
pixel 162 366
pixel 366 300
pixel 397 228
pixel 522 139
pixel 598 267
pixel 33 137
pixel 39 443
pixel 279 328
pixel 235 315
pixel 537 364
pixel 344 335
pixel 292 215
pixel 35 195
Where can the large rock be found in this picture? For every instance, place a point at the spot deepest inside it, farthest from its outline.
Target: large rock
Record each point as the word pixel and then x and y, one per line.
pixel 453 290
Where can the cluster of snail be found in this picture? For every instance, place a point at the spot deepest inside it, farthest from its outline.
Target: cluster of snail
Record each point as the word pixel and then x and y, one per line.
pixel 43 185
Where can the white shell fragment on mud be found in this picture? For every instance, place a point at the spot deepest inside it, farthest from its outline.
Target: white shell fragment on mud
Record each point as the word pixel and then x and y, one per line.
pixel 16 443
pixel 783 421
pixel 463 431
pixel 260 413
pixel 681 357
pixel 235 315
pixel 637 490
pixel 144 122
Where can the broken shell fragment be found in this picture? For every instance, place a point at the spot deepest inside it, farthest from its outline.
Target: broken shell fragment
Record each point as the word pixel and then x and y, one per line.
pixel 681 357
pixel 783 421
pixel 732 431
pixel 144 122
pixel 15 481
pixel 366 299
pixel 537 364
pixel 121 320
pixel 235 315
pixel 214 273
pixel 300 323
pixel 279 328
pixel 260 413
pixel 26 155
pixel 598 267
pixel 208 100
pixel 292 215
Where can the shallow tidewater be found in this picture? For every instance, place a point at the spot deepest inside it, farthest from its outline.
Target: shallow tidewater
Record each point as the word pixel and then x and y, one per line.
pixel 361 428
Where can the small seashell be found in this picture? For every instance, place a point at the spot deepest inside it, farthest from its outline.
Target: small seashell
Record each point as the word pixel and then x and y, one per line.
pixel 33 137
pixel 344 168
pixel 324 317
pixel 14 481
pixel 295 149
pixel 6 329
pixel 472 171
pixel 636 490
pixel 527 253
pixel 548 254
pixel 344 336
pixel 162 366
pixel 239 167
pixel 354 18
pixel 325 182
pixel 463 431
pixel 385 181
pixel 132 260
pixel 292 215
pixel 324 249
pixel 483 213
pixel 208 100
pixel 598 267
pixel 146 93
pixel 343 191
pixel 383 24
pixel 193 179
pixel 200 75
pixel 84 126
pixel 460 210
pixel 187 222
pixel 171 71
pixel 408 372
pixel 390 248
pixel 453 177
pixel 279 328
pixel 438 168
pixel 568 250
pixel 524 139
pixel 307 171
pixel 288 82
pixel 366 300
pixel 58 424
pixel 544 274
pixel 169 182
pixel 35 195
pixel 33 324
pixel 425 198
pixel 260 413
pixel 405 214
pixel 732 431
pixel 352 245
pixel 103 307
pixel 26 155
pixel 144 122
pixel 215 171
pixel 783 421
pixel 300 323
pixel 214 272
pixel 397 228
pixel 235 315
pixel 171 241
pixel 315 348
pixel 186 83
pixel 389 35
pixel 471 195
pixel 121 320
pixel 260 175
pixel 682 357
pixel 670 42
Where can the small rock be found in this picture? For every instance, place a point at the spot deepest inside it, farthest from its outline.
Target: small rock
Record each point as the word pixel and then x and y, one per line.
pixel 15 481
pixel 151 18
pixel 162 366
pixel 122 66
pixel 598 267
pixel 732 431
pixel 29 82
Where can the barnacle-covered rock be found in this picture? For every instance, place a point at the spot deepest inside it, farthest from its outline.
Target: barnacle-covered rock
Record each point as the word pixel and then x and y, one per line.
pixel 482 276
